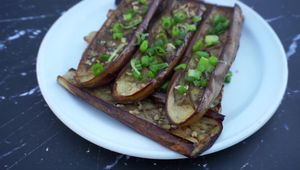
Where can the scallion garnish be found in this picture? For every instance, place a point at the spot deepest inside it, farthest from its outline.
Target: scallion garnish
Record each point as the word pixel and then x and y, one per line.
pixel 228 77
pixel 117 35
pixel 181 67
pixel 145 60
pixel 160 51
pixel 136 68
pixel 166 22
pixel 201 54
pixel 211 40
pixel 144 46
pixel 182 89
pixel 158 67
pixel 196 19
pixel 175 31
pixel 203 64
pixel 104 57
pixel 97 69
pixel 190 28
pixel 198 45
pixel 213 60
pixel 194 74
pixel 179 16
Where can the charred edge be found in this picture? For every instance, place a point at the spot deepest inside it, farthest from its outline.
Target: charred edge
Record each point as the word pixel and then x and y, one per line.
pixel 143 127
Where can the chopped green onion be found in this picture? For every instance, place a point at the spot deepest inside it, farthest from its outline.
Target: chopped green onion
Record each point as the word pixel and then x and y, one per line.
pixel 117 36
pixel 150 51
pixel 144 46
pixel 194 74
pixel 203 64
pixel 159 42
pixel 201 83
pixel 133 23
pixel 181 67
pixel 117 27
pixel 104 57
pixel 179 16
pixel 228 77
pixel 162 36
pixel 213 60
pixel 164 87
pixel 198 45
pixel 196 19
pixel 159 51
pixel 143 2
pixel 190 28
pixel 97 69
pixel 166 22
pixel 136 67
pixel 182 35
pixel 151 74
pixel 211 40
pixel 175 31
pixel 115 52
pixel 141 37
pixel 128 17
pixel 178 42
pixel 201 54
pixel 145 61
pixel 182 89
pixel 158 67
pixel 220 24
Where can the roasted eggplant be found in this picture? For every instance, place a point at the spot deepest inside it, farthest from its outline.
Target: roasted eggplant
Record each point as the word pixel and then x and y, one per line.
pixel 159 51
pixel 148 118
pixel 113 45
pixel 200 78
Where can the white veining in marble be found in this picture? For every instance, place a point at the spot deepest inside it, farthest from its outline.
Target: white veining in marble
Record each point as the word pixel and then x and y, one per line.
pixel 2 97
pixel 274 19
pixel 114 163
pixel 293 46
pixel 245 165
pixel 30 92
pixel 32 151
pixel 23 74
pixel 12 151
pixel 286 127
pixel 25 18
pixel 293 92
pixel 2 46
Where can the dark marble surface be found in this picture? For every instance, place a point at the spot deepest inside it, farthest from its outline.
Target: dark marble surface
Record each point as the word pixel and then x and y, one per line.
pixel 31 137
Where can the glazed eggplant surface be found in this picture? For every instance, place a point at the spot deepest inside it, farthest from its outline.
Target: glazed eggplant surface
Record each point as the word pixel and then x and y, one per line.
pixel 159 51
pixel 195 87
pixel 113 45
pixel 148 118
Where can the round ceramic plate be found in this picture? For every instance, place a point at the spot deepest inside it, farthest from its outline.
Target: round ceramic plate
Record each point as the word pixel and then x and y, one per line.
pixel 256 90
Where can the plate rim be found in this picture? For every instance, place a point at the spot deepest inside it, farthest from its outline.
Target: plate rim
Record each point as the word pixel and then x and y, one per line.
pixel 157 155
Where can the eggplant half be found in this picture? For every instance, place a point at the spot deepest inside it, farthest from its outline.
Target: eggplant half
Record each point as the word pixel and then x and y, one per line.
pixel 113 45
pixel 160 50
pixel 148 118
pixel 195 87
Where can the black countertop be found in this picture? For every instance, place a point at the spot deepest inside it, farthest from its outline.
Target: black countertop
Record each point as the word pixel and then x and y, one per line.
pixel 31 137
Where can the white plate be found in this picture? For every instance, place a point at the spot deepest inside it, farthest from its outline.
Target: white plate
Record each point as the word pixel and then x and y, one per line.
pixel 256 90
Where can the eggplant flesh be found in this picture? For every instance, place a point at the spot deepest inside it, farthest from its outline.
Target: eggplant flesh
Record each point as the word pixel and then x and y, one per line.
pixel 148 118
pixel 120 51
pixel 127 88
pixel 184 109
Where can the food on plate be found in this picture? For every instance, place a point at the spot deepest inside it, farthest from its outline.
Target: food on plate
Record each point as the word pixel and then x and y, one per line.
pixel 148 118
pixel 166 83
pixel 200 77
pixel 115 42
pixel 159 51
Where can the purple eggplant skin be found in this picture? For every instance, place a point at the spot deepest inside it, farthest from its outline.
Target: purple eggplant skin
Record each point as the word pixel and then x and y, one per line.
pixel 155 83
pixel 117 2
pixel 84 77
pixel 216 80
pixel 174 139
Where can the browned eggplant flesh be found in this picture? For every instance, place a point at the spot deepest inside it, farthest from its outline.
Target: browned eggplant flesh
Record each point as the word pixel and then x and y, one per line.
pixel 113 45
pixel 200 78
pixel 159 51
pixel 148 118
